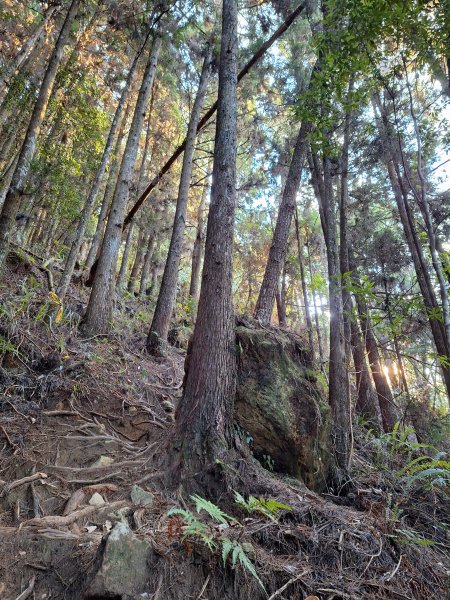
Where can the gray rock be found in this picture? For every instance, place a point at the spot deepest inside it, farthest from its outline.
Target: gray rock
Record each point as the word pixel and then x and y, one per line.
pixel 124 570
pixel 97 500
pixel 141 497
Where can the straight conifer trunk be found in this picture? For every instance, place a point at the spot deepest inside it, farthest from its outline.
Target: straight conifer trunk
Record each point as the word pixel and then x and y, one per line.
pixel 205 414
pixel 146 267
pixel 339 396
pixel 109 191
pixel 28 149
pixel 66 277
pixel 301 263
pixel 197 252
pixel 277 253
pixel 159 329
pixel 99 311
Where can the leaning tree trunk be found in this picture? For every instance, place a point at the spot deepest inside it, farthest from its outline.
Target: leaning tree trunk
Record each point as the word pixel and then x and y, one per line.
pixel 66 277
pixel 207 116
pixel 277 253
pixel 157 336
pixel 391 160
pixel 205 413
pixel 388 409
pixel 19 179
pixel 99 311
pixel 366 398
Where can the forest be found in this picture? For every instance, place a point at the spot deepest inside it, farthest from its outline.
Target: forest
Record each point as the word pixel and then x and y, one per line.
pixel 224 299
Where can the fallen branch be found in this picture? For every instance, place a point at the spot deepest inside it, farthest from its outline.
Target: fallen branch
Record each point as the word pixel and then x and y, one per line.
pixel 286 585
pixel 27 593
pixel 30 478
pixel 64 521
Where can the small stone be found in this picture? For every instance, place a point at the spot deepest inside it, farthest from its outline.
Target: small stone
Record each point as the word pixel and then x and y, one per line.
pixel 140 497
pixel 97 500
pixel 102 461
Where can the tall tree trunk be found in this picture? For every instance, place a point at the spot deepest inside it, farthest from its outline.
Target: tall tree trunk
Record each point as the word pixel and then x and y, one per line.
pixel 197 252
pixel 389 414
pixel 109 191
pixel 19 179
pixel 339 396
pixel 309 324
pixel 422 200
pixel 146 267
pixel 125 257
pixel 280 298
pixel 391 160
pixel 316 314
pixel 137 263
pixel 366 399
pixel 205 413
pixel 277 253
pixel 157 336
pixel 99 310
pixel 27 48
pixel 66 277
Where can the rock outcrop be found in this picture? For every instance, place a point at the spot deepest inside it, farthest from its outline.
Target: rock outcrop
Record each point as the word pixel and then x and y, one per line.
pixel 280 403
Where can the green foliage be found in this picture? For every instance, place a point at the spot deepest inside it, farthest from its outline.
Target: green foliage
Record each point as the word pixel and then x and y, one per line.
pixel 239 556
pixel 269 508
pixel 213 511
pixel 231 550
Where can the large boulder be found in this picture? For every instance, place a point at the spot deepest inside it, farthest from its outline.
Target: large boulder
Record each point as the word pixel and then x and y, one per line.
pixel 281 405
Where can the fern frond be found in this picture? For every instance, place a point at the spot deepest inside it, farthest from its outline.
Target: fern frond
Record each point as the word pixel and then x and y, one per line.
pixel 227 546
pixel 186 514
pixel 213 511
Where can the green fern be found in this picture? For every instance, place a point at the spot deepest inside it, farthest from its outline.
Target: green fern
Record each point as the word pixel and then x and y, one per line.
pixel 239 556
pixel 213 511
pixel 269 508
pixel 194 527
pixel 230 548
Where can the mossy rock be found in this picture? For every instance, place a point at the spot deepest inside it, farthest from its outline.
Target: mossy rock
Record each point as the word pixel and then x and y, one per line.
pixel 281 405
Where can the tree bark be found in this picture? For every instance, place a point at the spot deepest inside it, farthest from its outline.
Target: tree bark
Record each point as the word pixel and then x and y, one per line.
pixel 366 399
pixel 157 336
pixel 197 252
pixel 205 414
pixel 389 414
pixel 309 324
pixel 391 160
pixel 125 257
pixel 66 277
pixel 146 268
pixel 277 253
pixel 99 311
pixel 339 396
pixel 139 257
pixel 19 179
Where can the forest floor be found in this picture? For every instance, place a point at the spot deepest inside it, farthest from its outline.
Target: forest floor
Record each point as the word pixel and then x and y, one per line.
pixel 83 421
